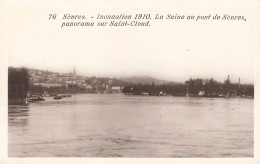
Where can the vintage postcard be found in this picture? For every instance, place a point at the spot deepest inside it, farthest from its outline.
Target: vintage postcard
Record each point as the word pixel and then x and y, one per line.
pixel 129 81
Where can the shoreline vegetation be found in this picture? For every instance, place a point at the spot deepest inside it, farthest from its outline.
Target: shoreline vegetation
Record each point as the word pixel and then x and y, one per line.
pixel 29 85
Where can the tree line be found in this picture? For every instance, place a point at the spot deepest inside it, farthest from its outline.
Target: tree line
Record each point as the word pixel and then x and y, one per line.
pixel 18 82
pixel 193 87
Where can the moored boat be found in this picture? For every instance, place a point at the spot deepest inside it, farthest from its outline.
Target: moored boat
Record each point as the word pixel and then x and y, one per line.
pixel 35 98
pixel 58 97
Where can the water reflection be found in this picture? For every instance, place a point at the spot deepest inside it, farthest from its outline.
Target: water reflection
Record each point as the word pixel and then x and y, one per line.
pixel 18 115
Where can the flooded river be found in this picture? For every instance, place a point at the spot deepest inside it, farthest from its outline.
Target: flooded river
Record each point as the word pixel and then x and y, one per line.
pixel 132 126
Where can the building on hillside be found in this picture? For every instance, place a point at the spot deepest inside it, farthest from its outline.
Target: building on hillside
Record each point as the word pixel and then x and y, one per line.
pixel 48 85
pixel 116 89
pixel 74 72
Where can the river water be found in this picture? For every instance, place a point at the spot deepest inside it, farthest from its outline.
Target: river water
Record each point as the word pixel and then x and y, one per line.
pixel 96 125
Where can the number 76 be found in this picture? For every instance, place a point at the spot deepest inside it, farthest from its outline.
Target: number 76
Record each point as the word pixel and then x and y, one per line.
pixel 52 16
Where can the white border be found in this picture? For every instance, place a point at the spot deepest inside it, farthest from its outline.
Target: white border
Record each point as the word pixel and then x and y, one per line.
pixel 254 4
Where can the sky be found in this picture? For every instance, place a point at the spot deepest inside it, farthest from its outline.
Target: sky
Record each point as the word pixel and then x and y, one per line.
pixel 169 50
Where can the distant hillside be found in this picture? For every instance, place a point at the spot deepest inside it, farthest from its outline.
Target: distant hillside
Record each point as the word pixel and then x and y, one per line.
pixel 145 80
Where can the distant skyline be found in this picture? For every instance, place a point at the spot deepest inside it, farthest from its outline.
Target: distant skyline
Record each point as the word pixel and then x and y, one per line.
pixel 233 79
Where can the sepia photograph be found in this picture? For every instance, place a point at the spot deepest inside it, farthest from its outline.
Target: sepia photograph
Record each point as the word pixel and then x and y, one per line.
pixel 153 84
pixel 65 114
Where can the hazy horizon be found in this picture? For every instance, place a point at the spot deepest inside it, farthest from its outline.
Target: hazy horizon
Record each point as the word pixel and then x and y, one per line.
pixel 234 79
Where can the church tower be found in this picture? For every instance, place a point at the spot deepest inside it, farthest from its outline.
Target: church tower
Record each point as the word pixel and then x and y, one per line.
pixel 74 72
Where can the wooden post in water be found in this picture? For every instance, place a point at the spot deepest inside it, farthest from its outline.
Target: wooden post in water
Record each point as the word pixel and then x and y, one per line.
pixel 239 87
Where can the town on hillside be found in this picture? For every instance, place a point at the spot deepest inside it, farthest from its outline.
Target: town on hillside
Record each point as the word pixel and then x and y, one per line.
pixel 34 84
pixel 71 82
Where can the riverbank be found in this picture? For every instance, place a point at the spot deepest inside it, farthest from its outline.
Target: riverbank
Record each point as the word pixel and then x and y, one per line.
pixel 20 101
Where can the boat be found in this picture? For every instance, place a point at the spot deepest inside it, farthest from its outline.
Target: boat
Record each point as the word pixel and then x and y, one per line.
pixel 35 98
pixel 58 97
